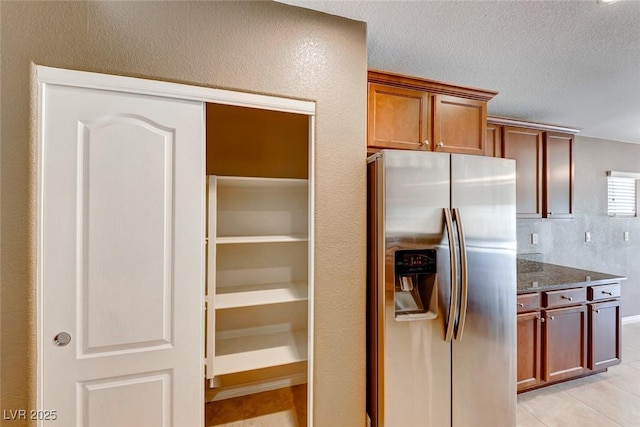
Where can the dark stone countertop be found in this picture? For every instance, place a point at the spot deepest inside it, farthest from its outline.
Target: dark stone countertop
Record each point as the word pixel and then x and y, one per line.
pixel 536 276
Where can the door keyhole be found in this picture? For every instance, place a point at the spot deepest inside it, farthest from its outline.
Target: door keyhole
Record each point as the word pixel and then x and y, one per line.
pixel 62 339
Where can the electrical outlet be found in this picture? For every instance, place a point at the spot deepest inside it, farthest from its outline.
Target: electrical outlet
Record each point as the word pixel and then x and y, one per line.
pixel 626 236
pixel 534 238
pixel 587 236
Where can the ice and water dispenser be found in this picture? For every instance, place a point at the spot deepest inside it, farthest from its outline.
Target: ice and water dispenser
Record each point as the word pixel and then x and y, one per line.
pixel 415 290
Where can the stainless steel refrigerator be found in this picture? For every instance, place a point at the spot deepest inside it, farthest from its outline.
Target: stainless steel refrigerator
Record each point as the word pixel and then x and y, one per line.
pixel 441 290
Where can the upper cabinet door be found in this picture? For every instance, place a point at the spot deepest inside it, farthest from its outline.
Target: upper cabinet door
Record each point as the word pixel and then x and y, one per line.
pixel 525 147
pixel 121 259
pixel 493 144
pixel 413 113
pixel 460 125
pixel 398 118
pixel 558 165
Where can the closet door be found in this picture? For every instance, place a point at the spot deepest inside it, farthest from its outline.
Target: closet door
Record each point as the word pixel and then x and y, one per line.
pixel 121 257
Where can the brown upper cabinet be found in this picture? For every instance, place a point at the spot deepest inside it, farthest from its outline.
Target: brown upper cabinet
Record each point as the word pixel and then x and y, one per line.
pixel 460 124
pixel 558 177
pixel 544 165
pixel 398 118
pixel 419 114
pixel 525 147
pixel 493 146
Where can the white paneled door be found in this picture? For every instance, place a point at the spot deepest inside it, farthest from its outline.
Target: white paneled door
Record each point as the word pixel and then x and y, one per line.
pixel 121 259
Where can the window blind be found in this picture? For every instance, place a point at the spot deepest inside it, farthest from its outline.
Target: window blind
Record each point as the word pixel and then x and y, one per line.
pixel 622 193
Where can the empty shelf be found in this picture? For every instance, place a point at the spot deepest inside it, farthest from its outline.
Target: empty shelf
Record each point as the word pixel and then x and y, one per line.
pixel 261 239
pixel 259 183
pixel 265 293
pixel 236 352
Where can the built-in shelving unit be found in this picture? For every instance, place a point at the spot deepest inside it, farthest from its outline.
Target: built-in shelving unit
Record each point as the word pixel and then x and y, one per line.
pixel 258 273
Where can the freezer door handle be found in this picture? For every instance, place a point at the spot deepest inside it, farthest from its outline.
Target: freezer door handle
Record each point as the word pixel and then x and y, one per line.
pixel 463 275
pixel 453 300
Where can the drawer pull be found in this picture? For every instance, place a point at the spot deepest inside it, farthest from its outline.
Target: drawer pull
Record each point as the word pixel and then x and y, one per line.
pixel 520 305
pixel 567 298
pixel 596 311
pixel 541 319
pixel 607 293
pixel 550 317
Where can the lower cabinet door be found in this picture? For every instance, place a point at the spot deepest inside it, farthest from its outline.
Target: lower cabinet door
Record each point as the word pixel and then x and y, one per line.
pixel 565 339
pixel 529 349
pixel 604 334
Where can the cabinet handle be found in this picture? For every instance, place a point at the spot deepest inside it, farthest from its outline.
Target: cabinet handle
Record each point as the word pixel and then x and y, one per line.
pixel 567 298
pixel 440 144
pixel 541 319
pixel 549 213
pixel 520 305
pixel 596 311
pixel 425 142
pixel 607 293
pixel 550 317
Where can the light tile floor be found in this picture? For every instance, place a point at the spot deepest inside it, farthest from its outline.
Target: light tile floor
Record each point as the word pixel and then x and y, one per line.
pixel 610 399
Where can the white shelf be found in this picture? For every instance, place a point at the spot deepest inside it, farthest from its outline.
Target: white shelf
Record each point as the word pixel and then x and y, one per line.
pixel 227 240
pixel 245 350
pixel 257 183
pixel 260 294
pixel 246 206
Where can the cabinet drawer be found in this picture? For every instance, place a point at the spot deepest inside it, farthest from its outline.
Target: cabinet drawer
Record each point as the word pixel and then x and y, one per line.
pixel 564 297
pixel 528 302
pixel 603 292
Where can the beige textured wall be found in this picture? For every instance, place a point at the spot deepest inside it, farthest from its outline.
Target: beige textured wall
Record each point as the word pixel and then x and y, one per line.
pixel 262 47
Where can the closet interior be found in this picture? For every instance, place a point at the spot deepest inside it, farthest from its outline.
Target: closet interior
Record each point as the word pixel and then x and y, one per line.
pixel 259 253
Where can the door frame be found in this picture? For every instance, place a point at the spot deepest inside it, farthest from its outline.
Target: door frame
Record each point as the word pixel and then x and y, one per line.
pixel 46 76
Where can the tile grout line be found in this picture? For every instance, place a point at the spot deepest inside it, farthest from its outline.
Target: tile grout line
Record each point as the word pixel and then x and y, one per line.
pixel 592 408
pixel 579 402
pixel 607 380
pixel 598 411
pixel 533 415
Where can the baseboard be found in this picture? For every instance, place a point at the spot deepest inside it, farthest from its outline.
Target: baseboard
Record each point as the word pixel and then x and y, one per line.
pixel 230 392
pixel 630 319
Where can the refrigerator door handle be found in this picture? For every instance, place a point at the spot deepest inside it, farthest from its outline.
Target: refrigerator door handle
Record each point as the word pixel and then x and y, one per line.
pixel 463 275
pixel 453 300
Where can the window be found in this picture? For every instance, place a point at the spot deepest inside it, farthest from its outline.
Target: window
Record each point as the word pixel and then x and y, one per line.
pixel 622 192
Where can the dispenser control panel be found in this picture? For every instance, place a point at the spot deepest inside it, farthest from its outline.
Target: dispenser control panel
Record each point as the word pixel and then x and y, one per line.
pixel 415 261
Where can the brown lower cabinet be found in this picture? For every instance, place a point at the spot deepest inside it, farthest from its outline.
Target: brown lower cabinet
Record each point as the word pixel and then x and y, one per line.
pixel 529 349
pixel 604 333
pixel 565 342
pixel 567 333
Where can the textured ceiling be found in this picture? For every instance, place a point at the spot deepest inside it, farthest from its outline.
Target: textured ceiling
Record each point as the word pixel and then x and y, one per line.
pixel 572 63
